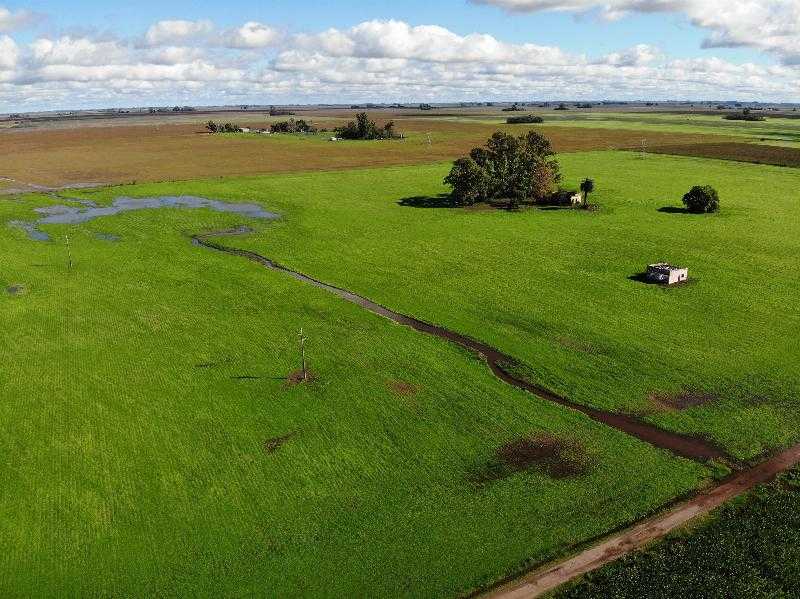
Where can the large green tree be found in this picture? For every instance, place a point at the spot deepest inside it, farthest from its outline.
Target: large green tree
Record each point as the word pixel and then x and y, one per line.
pixel 512 169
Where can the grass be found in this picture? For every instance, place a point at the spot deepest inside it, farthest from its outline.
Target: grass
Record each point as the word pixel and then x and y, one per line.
pixel 773 130
pixel 560 297
pixel 749 550
pixel 140 463
pixel 136 458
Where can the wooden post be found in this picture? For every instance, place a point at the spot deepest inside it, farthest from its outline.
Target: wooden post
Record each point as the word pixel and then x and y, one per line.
pixel 303 353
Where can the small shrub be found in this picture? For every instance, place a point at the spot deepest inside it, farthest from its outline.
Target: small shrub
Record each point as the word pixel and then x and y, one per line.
pixel 701 199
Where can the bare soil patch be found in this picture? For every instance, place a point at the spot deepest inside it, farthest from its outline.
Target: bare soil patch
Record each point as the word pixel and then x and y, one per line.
pixel 403 388
pixel 736 151
pixel 682 400
pixel 557 457
pixel 297 378
pixel 274 444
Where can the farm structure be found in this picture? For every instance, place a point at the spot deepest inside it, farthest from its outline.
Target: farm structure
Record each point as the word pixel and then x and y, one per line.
pixel 667 274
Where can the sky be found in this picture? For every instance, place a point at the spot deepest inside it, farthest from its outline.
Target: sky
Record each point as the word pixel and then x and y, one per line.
pixel 76 54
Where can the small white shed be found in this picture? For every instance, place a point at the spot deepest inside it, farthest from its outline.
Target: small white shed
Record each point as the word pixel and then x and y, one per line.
pixel 667 274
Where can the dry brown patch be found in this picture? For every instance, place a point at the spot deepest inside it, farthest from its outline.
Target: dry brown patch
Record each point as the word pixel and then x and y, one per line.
pixel 736 151
pixel 403 388
pixel 298 378
pixel 682 400
pixel 274 444
pixel 557 457
pixel 122 153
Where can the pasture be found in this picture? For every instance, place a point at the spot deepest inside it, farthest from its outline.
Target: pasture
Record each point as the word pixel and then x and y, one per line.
pixel 560 295
pixel 154 445
pixel 156 439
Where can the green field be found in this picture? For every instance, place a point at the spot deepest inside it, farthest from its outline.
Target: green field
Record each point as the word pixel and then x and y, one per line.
pixel 136 460
pixel 774 130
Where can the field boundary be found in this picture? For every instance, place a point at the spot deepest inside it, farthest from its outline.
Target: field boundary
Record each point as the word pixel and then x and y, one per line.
pixel 544 580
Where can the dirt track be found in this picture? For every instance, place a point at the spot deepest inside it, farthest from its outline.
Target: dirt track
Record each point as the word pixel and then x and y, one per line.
pixel 542 581
pixel 501 364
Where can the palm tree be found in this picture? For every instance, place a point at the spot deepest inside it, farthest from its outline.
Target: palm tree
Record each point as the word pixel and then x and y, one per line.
pixel 587 187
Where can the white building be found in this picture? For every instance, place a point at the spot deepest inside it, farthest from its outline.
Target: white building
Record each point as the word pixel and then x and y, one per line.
pixel 667 274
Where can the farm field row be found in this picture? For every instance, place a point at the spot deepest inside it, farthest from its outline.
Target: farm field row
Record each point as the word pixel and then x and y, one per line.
pixel 774 130
pixel 167 152
pixel 756 538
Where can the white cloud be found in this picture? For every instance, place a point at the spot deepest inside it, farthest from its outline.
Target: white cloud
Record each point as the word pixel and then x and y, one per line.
pixel 638 55
pixel 251 35
pixel 429 43
pixel 78 51
pixel 769 25
pixel 190 62
pixel 12 21
pixel 9 53
pixel 177 32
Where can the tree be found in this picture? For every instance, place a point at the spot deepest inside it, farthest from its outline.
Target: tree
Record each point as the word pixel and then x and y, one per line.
pixel 513 169
pixel 701 199
pixel 211 126
pixel 364 128
pixel 469 182
pixel 587 187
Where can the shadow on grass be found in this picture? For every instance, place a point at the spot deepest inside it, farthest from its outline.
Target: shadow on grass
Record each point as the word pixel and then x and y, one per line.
pixel 673 210
pixel 642 278
pixel 439 201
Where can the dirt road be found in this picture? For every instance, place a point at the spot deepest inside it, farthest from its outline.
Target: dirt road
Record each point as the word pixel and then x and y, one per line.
pixel 541 581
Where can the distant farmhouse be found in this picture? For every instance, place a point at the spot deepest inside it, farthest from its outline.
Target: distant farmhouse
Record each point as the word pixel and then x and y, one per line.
pixel 667 274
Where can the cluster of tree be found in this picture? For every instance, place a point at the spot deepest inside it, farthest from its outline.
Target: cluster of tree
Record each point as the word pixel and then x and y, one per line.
pixel 173 109
pixel 527 119
pixel 213 127
pixel 745 115
pixel 512 170
pixel 293 126
pixel 701 199
pixel 365 128
pixel 515 108
pixel 561 106
pixel 425 107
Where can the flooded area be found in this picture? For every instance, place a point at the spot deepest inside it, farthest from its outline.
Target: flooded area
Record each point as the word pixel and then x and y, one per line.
pixel 72 215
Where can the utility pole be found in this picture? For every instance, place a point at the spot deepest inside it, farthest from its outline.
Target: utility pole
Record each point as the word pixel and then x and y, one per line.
pixel 69 251
pixel 303 340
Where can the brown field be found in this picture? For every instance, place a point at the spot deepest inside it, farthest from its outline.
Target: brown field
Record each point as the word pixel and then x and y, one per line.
pixel 736 151
pixel 105 152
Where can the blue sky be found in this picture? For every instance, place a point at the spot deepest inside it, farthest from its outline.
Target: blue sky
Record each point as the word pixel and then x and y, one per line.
pixel 60 53
pixel 576 33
